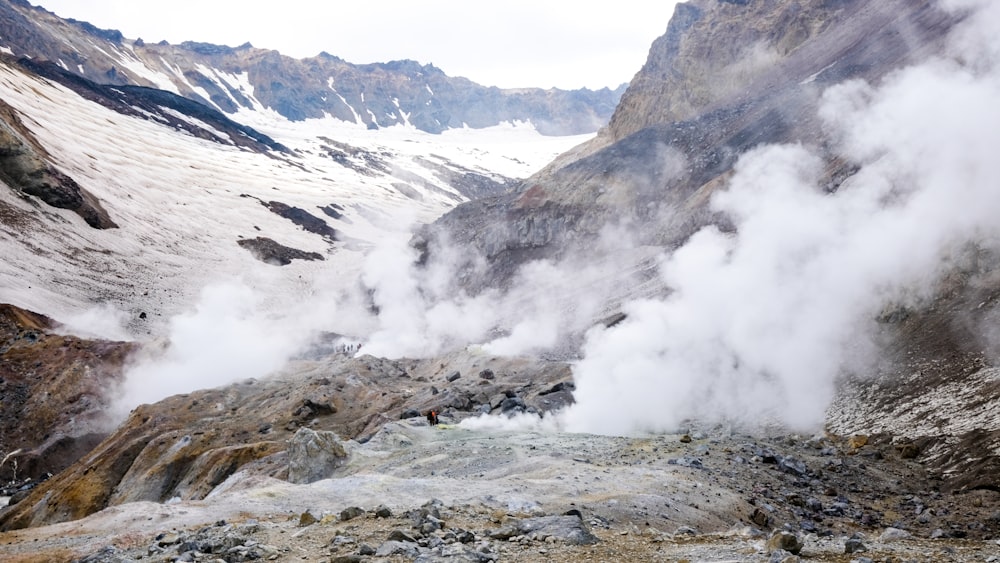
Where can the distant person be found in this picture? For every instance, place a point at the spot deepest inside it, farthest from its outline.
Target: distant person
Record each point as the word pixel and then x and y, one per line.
pixel 432 418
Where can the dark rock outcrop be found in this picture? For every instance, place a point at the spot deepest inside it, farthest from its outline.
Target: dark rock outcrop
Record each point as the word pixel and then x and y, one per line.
pixel 302 218
pixel 268 251
pixel 52 392
pixel 24 168
pixel 151 103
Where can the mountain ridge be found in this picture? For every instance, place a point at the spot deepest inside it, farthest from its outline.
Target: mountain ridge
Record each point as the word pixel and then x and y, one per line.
pixel 231 79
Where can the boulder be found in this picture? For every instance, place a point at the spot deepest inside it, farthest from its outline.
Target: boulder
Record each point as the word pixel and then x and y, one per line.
pixel 787 541
pixel 313 456
pixel 568 529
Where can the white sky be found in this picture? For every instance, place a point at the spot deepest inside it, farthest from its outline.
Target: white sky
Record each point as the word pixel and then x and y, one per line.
pixel 511 44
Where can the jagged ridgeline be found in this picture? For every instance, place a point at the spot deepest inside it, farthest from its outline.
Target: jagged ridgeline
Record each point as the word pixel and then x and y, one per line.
pixel 230 78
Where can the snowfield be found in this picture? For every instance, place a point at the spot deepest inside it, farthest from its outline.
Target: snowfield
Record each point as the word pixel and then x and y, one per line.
pixel 182 202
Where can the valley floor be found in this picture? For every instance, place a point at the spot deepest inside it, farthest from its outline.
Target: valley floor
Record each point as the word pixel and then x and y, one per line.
pixel 417 493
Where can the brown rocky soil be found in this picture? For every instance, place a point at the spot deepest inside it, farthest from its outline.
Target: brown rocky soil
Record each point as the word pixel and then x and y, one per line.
pixel 53 393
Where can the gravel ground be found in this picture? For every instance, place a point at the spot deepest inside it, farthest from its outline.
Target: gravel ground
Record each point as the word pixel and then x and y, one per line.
pixel 702 496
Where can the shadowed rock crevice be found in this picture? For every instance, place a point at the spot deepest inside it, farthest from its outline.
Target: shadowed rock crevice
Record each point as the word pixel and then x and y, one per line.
pixel 24 168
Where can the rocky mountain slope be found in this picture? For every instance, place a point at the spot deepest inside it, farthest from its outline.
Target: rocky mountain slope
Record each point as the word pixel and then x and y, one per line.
pixel 777 286
pixel 726 77
pixel 245 78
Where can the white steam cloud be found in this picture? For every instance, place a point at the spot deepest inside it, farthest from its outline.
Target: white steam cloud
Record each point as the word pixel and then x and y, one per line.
pixel 225 339
pixel 761 323
pixel 100 321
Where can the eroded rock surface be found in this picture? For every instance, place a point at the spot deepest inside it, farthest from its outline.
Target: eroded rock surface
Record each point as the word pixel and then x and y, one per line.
pixel 24 168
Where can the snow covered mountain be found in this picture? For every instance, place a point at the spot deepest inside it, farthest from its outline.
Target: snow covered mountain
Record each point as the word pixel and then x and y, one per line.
pixel 192 197
pixel 247 78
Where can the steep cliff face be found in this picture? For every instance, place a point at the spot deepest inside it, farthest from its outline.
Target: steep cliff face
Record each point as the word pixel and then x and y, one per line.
pixel 725 78
pixel 718 53
pixel 229 79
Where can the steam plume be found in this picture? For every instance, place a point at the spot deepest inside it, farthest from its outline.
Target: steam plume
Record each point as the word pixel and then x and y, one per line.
pixel 761 323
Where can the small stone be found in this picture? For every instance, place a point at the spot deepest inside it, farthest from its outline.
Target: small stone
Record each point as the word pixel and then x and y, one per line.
pixel 351 512
pixel 782 556
pixel 787 541
pixel 307 519
pixel 390 548
pixel 454 377
pixel 854 545
pixel 487 374
pixel 857 441
pixel 760 517
pixel 894 534
pixel 342 540
pixel 383 511
pixel 169 538
pixel 401 536
pixel 685 531
pixel 686 439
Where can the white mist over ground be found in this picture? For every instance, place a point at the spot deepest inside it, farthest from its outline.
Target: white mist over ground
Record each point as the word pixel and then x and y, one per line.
pixel 759 323
pixel 226 338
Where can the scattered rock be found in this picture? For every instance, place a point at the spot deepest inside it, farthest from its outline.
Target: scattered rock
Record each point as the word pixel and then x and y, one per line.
pixel 307 519
pixel 393 547
pixel 401 536
pixel 568 529
pixel 685 531
pixel 760 517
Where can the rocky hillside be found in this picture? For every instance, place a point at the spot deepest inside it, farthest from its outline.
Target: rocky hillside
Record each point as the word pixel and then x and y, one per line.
pixel 233 78
pixel 334 458
pixel 726 77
